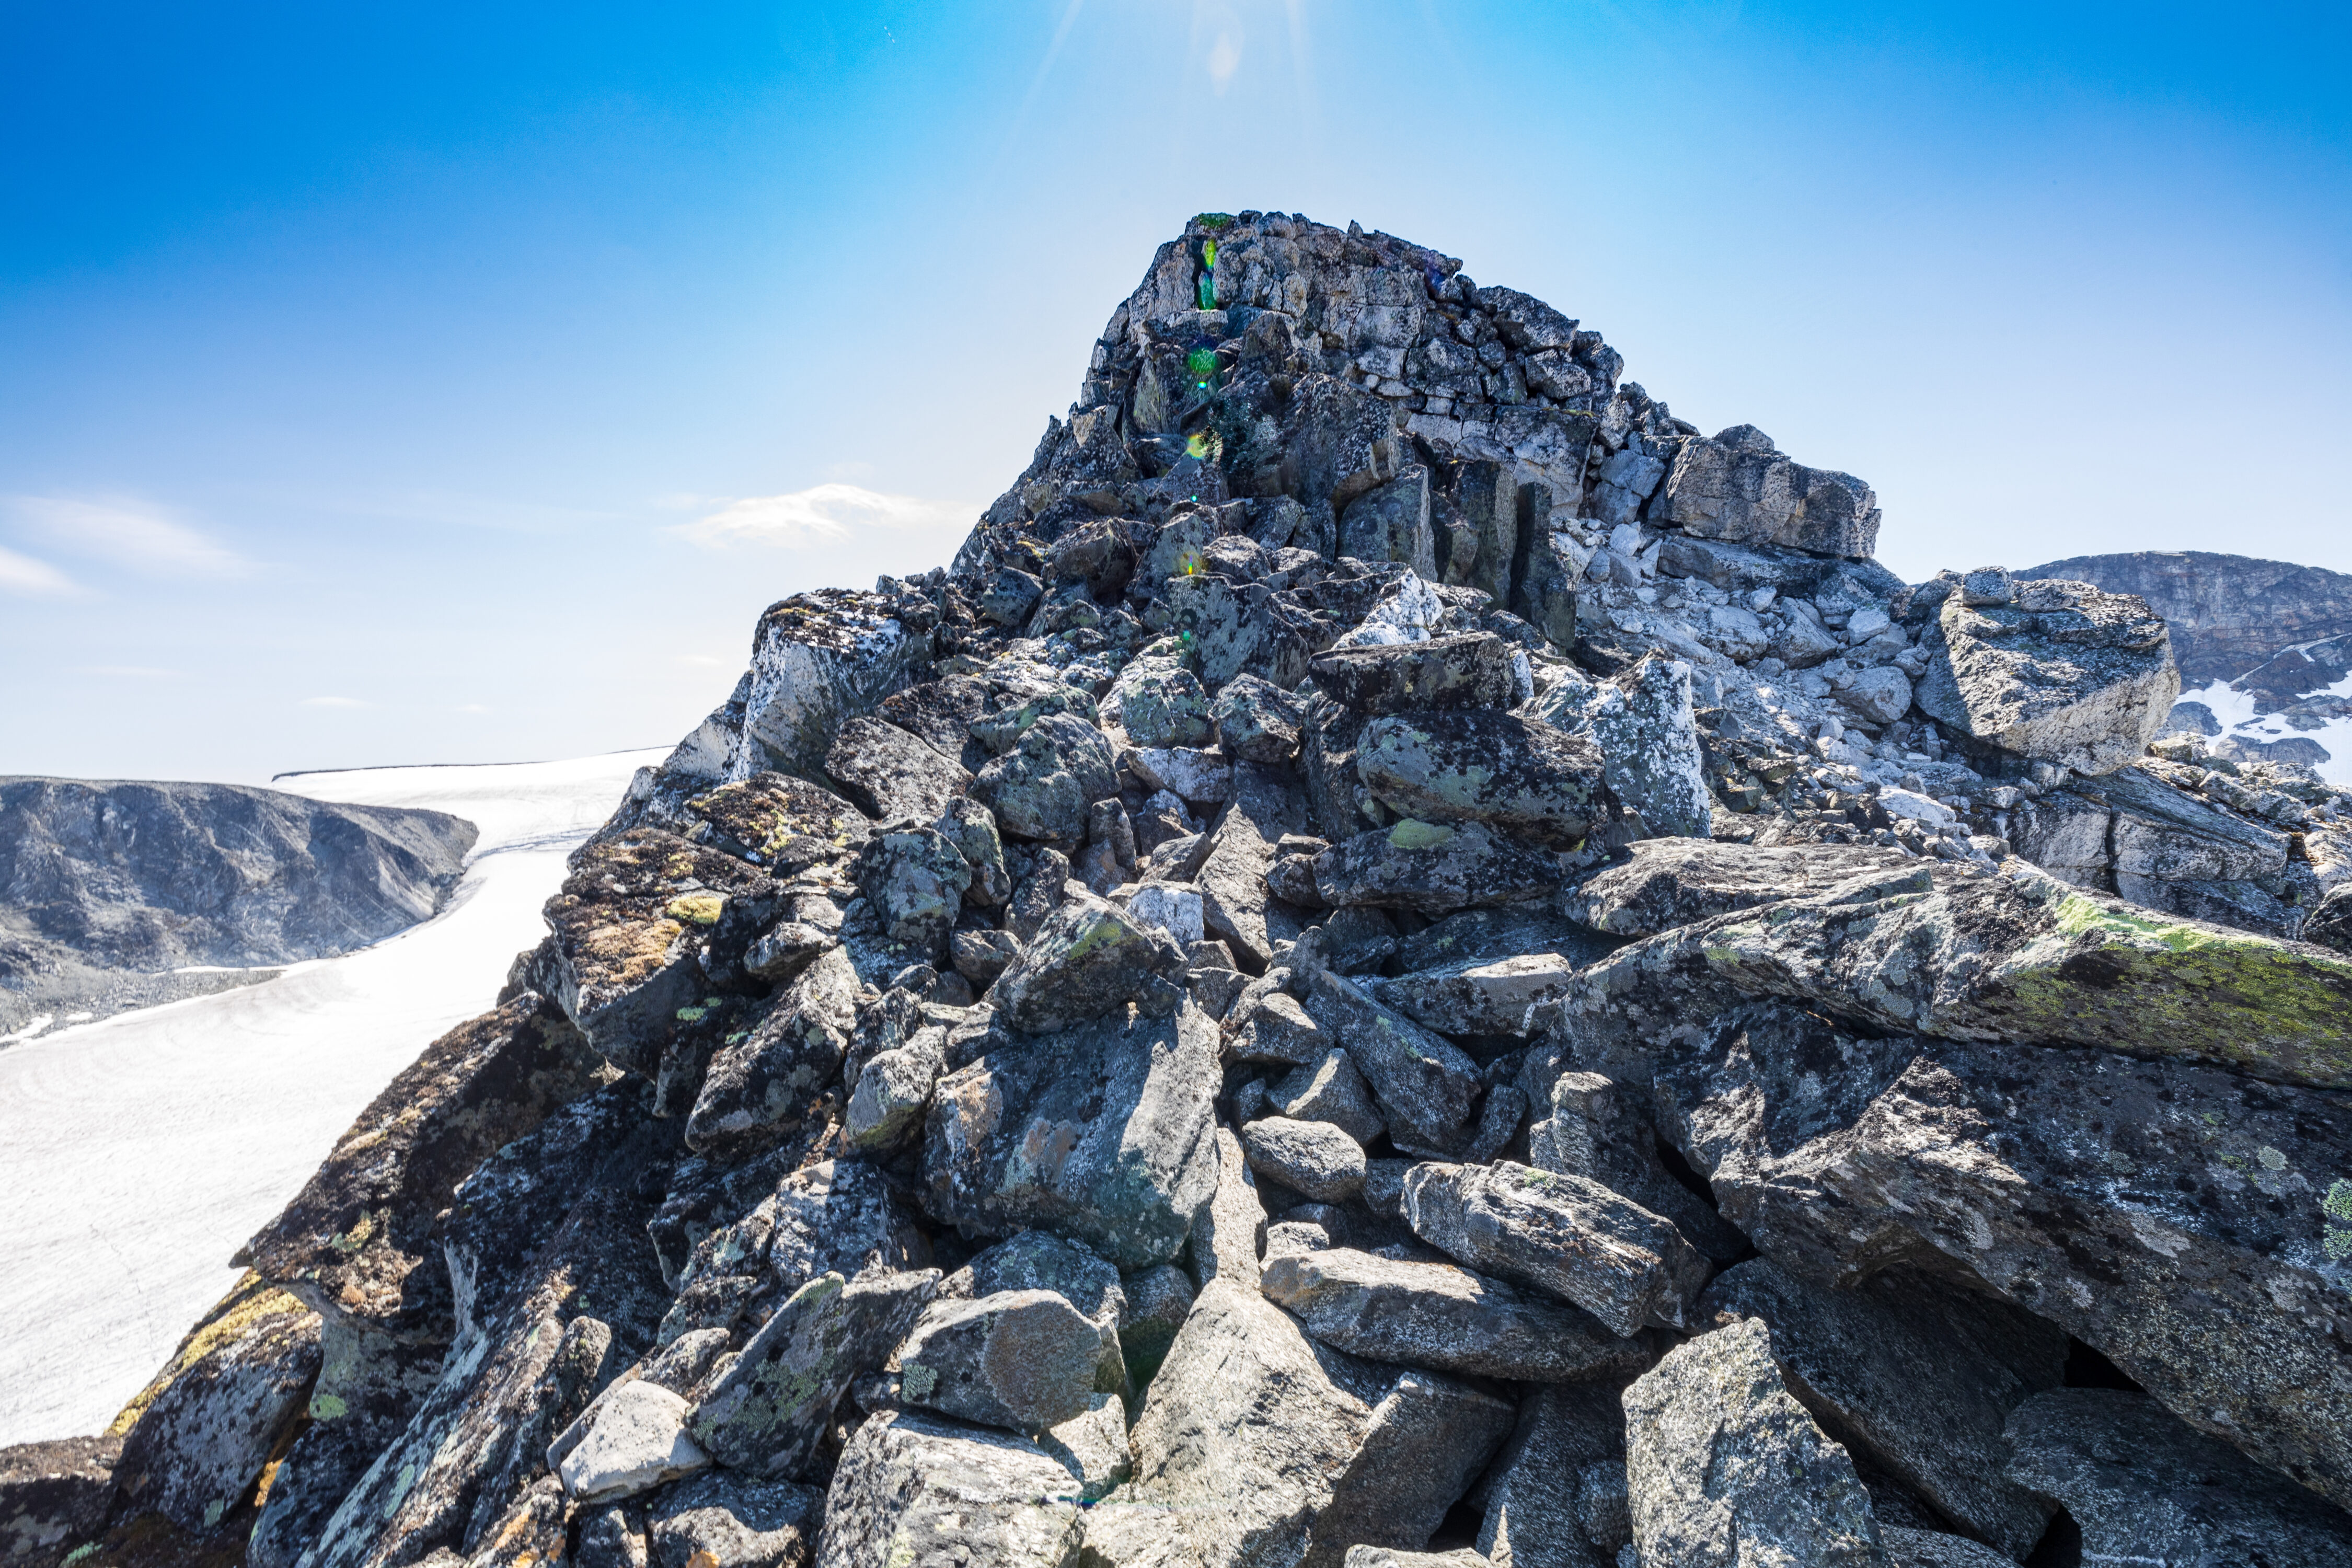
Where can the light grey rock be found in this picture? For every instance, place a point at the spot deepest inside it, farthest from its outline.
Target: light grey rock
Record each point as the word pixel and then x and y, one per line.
pixel 1498 998
pixel 1556 1494
pixel 1256 720
pixel 1195 776
pixel 1427 1087
pixel 1086 960
pixel 1236 902
pixel 1125 1106
pixel 980 956
pixel 1165 908
pixel 971 828
pixel 1594 1130
pixel 1276 1029
pixel 1933 1548
pixel 764 1413
pixel 733 1521
pixel 1737 485
pixel 1431 867
pixel 1330 1090
pixel 1388 1557
pixel 1516 775
pixel 1650 751
pixel 1092 1445
pixel 1311 1157
pixel 2144 1487
pixel 1723 1467
pixel 636 1441
pixel 1463 670
pixel 1040 1261
pixel 891 774
pixel 1569 1235
pixel 1024 1359
pixel 2064 674
pixel 1161 702
pixel 893 1092
pixel 1291 1236
pixel 817 661
pixel 1229 1232
pixel 1915 1375
pixel 1438 1316
pixel 918 1489
pixel 1000 731
pixel 1667 882
pixel 1041 788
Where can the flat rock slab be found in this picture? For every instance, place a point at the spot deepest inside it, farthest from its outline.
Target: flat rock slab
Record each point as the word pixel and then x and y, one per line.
pixel 914 1488
pixel 1566 1235
pixel 1437 1316
pixel 636 1441
pixel 778 823
pixel 1497 998
pixel 1663 883
pixel 1723 1467
pixel 1519 776
pixel 1027 1360
pixel 1471 669
pixel 1431 867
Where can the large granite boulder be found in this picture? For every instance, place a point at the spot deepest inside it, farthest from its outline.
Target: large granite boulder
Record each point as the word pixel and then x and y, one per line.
pixel 914 1488
pixel 1516 775
pixel 1737 485
pixel 817 661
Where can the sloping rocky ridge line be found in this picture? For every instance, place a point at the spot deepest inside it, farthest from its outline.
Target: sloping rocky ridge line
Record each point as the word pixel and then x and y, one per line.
pixel 108 888
pixel 1406 960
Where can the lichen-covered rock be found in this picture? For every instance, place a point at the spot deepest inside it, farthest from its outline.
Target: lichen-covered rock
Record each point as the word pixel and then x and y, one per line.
pixel 636 1441
pixel 733 1521
pixel 1663 883
pixel 1649 752
pixel 627 924
pixel 818 659
pixel 891 774
pixel 1256 720
pixel 1516 775
pixel 1915 1376
pixel 1042 787
pixel 915 879
pixel 1436 1315
pixel 1391 523
pixel 1087 959
pixel 914 1488
pixel 778 823
pixel 1566 1235
pixel 773 1075
pixel 1314 1158
pixel 1737 485
pixel 1102 1135
pixel 834 1216
pixel 359 1240
pixel 1430 866
pixel 2143 1488
pixel 1161 702
pixel 1498 998
pixel 1027 1360
pixel 971 828
pixel 2191 1225
pixel 1329 1090
pixel 2062 674
pixel 1464 669
pixel 1724 1468
pixel 764 1413
pixel 1427 1088
pixel 54 1497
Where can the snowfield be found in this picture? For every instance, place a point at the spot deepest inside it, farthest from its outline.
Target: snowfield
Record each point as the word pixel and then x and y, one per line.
pixel 139 1153
pixel 2235 710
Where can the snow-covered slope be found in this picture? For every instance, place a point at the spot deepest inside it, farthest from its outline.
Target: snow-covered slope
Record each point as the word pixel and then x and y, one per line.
pixel 136 1154
pixel 2235 710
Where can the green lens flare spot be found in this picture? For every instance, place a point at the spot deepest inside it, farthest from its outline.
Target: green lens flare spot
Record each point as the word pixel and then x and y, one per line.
pixel 1201 363
pixel 1208 253
pixel 1208 292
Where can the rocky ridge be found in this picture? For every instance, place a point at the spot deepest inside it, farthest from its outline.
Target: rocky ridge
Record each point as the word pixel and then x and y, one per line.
pixel 116 895
pixel 1407 961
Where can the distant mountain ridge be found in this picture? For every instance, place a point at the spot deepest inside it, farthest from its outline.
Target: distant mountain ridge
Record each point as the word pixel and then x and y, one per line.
pixel 2227 613
pixel 108 888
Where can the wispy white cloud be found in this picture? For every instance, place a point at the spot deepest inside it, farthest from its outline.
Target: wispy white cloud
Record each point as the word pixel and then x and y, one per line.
pixel 23 575
pixel 827 511
pixel 144 537
pixel 332 702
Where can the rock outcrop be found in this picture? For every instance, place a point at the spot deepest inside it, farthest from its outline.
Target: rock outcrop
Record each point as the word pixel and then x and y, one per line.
pixel 108 891
pixel 1407 961
pixel 2227 613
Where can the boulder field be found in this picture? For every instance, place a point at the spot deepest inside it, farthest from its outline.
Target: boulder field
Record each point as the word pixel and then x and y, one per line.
pixel 1407 961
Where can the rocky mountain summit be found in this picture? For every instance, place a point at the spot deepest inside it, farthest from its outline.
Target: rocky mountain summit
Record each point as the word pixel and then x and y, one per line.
pixel 118 895
pixel 2228 613
pixel 1407 961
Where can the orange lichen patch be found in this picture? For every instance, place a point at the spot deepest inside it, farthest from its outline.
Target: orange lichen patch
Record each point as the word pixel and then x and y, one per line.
pixel 250 1301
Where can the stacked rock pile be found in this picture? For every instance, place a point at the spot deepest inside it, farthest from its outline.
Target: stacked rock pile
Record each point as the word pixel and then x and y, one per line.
pixel 1406 960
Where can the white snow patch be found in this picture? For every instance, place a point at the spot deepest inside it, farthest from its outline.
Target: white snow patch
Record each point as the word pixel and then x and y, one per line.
pixel 2235 710
pixel 139 1153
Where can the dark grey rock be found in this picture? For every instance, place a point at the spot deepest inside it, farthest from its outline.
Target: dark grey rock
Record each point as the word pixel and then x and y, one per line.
pixel 1427 1087
pixel 1328 1090
pixel 1161 702
pixel 1737 485
pixel 1516 775
pixel 1256 720
pixel 54 1497
pixel 1023 1360
pixel 923 1489
pixel 1391 524
pixel 971 828
pixel 1426 1441
pixel 1431 867
pixel 915 879
pixel 940 713
pixel 1666 882
pixel 1498 999
pixel 1087 959
pixel 734 1521
pixel 773 1076
pixel 1467 670
pixel 1042 787
pixel 891 774
pixel 1556 1494
pixel 1232 877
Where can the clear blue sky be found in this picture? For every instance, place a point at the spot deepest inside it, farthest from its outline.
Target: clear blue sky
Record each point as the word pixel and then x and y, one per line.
pixel 371 376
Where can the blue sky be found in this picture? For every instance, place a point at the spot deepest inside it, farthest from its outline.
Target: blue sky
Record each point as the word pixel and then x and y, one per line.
pixel 430 384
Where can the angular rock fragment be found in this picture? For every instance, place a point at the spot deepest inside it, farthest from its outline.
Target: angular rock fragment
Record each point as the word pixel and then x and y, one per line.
pixel 1310 1157
pixel 2143 1488
pixel 1197 777
pixel 1161 702
pixel 940 714
pixel 636 1442
pixel 1737 485
pixel 915 877
pixel 732 1520
pixel 1234 901
pixel 1724 1467
pixel 768 1078
pixel 1086 960
pixel 1914 1376
pixel 1276 1029
pixel 1391 524
pixel 1430 866
pixel 1566 1235
pixel 892 774
pixel 2062 674
pixel 980 956
pixel 1649 746
pixel 1933 1548
pixel 1102 1135
pixel 778 823
pixel 54 1497
pixel 817 660
pixel 1498 999
pixel 1556 1494
pixel 1667 882
pixel 971 828
pixel 1519 776
pixel 1229 1231
pixel 1427 1088
pixel 1027 1360
pixel 1470 669
pixel 1330 1090
pixel 1424 1444
pixel 1042 787
pixel 1438 1316
pixel 1256 720
pixel 917 1488
pixel 764 1413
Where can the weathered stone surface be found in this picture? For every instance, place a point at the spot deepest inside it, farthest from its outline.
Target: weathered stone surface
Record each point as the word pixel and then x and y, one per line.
pixel 1433 868
pixel 1242 1439
pixel 890 773
pixel 1933 1548
pixel 778 823
pixel 1229 1231
pixel 1661 883
pixel 1567 1234
pixel 1274 1028
pixel 1234 901
pixel 1000 731
pixel 770 1078
pixel 1435 1315
pixel 765 1412
pixel 1426 1440
pixel 207 1425
pixel 1256 720
pixel 1391 524
pixel 940 714
pixel 2063 674
pixel 1966 951
pixel 1556 1494
pixel 1737 485
pixel 1427 1087
pixel 915 877
pixel 1102 1135
pixel 2143 1488
pixel 1040 1261
pixel 917 1488
pixel 358 1241
pixel 1197 777
pixel 1723 1467
pixel 1917 1376
pixel 1650 754
pixel 1042 787
pixel 1522 776
pixel 1484 936
pixel 1332 1091
pixel 54 1497
pixel 1087 959
pixel 1314 1158
pixel 1498 998
pixel 1594 1130
pixel 2180 1220
pixel 1156 1301
pixel 1388 1557
pixel 1024 1359
pixel 2226 614
pixel 732 1522
pixel 818 659
pixel 636 1441
pixel 1468 669
pixel 1161 702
